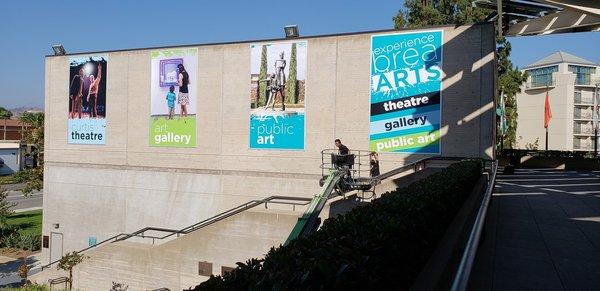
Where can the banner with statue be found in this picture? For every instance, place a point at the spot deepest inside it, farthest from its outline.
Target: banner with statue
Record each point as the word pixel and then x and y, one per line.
pixel 406 87
pixel 277 97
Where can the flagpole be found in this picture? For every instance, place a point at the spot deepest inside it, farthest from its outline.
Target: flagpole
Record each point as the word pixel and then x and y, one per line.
pixel 546 139
pixel 502 121
pixel 545 115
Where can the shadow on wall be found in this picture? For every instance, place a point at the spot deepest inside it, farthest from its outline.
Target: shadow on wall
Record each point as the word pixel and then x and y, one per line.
pixel 469 77
pixel 468 84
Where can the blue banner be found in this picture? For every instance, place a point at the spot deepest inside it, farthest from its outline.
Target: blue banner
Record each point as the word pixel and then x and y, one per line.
pixel 406 84
pixel 277 132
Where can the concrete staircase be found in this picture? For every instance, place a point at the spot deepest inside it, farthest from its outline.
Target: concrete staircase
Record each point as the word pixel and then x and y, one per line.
pixel 175 264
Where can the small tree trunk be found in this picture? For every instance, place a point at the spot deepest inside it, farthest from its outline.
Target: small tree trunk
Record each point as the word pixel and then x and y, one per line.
pixel 70 279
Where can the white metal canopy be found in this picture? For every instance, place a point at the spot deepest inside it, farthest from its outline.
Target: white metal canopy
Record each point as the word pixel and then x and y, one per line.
pixel 534 17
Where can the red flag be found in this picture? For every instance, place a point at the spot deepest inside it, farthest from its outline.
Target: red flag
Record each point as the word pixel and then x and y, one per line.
pixel 547 111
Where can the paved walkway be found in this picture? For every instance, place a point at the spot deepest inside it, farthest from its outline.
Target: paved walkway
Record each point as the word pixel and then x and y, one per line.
pixel 542 233
pixel 32 202
pixel 9 269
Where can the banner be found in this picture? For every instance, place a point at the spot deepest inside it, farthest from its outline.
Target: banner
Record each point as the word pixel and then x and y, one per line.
pixel 87 100
pixel 406 85
pixel 173 97
pixel 277 97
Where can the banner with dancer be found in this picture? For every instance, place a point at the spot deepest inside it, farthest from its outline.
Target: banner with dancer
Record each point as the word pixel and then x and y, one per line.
pixel 173 97
pixel 277 99
pixel 406 87
pixel 87 100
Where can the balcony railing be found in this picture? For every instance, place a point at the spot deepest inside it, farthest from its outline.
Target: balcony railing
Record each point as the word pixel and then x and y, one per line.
pixel 539 85
pixel 586 81
pixel 586 101
pixel 582 145
pixel 582 115
pixel 584 130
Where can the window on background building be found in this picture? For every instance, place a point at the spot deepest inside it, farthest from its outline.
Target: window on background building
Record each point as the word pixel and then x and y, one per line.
pixel 542 77
pixel 583 75
pixel 578 97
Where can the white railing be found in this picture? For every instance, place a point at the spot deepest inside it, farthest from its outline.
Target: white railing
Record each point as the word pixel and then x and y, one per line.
pixel 539 85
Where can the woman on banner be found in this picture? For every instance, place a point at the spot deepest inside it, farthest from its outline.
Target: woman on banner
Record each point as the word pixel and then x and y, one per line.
pixel 76 94
pixel 183 98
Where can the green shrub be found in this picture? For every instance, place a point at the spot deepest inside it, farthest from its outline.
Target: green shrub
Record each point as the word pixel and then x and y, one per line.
pixel 375 246
pixel 12 240
pixel 10 237
pixel 31 242
pixel 20 176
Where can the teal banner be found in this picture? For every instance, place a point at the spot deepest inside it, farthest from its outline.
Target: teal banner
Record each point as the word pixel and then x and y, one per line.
pixel 406 85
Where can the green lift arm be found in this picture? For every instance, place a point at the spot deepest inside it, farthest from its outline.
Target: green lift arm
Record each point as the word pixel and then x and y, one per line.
pixel 306 222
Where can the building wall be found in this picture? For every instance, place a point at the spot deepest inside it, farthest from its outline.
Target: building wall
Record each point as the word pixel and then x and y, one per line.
pixel 126 184
pixel 530 108
pixel 174 264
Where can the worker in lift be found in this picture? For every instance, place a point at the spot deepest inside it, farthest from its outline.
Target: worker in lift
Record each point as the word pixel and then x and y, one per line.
pixel 343 158
pixel 374 161
pixel 342 149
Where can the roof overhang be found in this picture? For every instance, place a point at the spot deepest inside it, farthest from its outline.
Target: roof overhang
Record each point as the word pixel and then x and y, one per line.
pixel 535 17
pixel 9 145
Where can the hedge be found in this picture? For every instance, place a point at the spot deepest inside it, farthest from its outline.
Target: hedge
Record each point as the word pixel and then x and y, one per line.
pixel 376 246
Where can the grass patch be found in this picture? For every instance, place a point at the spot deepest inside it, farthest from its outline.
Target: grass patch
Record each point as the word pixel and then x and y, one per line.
pixel 8 179
pixel 29 222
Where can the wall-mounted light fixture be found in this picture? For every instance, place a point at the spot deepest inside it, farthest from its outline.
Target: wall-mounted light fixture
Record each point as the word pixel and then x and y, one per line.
pixel 59 50
pixel 291 31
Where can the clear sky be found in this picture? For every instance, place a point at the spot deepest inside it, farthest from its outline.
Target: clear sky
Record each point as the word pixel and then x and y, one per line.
pixel 29 28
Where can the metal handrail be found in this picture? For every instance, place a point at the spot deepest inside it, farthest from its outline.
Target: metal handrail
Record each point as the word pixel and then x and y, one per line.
pixel 410 166
pixel 186 230
pixel 461 279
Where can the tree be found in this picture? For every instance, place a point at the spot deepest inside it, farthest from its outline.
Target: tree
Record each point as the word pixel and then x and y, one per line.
pixel 34 134
pixel 5 113
pixel 5 206
pixel 68 262
pixel 23 271
pixel 292 81
pixel 509 83
pixel 262 76
pixel 419 13
pixel 6 230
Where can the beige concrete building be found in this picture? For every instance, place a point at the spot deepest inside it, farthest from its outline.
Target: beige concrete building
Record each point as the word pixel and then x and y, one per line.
pixel 92 192
pixel 571 83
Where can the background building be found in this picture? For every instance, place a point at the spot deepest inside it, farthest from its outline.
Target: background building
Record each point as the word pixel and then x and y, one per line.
pixel 570 83
pixel 12 151
pixel 11 129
